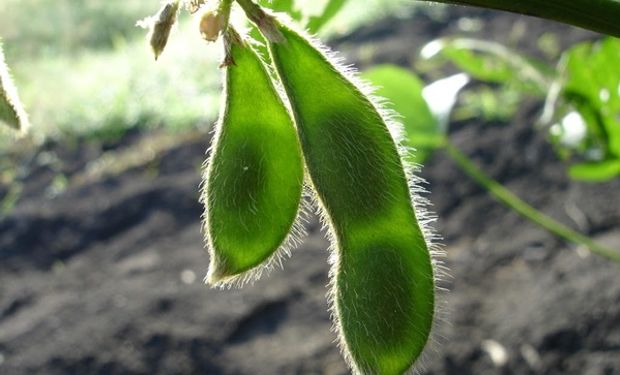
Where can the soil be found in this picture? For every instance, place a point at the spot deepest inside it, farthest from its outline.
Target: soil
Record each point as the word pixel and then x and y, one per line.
pixel 106 277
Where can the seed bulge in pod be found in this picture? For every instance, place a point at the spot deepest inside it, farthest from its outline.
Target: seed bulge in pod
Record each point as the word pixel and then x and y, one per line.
pixel 255 173
pixel 383 274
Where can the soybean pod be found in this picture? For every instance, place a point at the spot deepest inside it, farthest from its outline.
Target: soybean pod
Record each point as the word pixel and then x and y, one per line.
pixel 255 172
pixel 383 278
pixel 12 112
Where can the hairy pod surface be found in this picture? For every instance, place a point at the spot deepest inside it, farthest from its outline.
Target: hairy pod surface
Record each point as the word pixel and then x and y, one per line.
pixel 383 272
pixel 254 177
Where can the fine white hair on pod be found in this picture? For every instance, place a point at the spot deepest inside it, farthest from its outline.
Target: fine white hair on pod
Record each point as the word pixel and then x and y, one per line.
pixel 417 193
pixel 298 228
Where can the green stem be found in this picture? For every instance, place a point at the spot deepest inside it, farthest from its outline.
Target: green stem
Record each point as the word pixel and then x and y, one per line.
pixel 509 199
pixel 598 15
pixel 224 8
pixel 266 23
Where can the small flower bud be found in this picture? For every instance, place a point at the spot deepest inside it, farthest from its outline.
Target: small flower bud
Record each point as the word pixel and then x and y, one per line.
pixel 211 25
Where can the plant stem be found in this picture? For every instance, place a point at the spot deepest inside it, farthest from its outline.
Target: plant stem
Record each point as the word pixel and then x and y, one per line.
pixel 265 22
pixel 224 8
pixel 598 15
pixel 509 199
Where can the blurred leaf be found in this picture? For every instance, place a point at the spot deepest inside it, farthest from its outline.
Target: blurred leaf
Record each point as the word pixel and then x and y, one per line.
pixel 331 9
pixel 483 67
pixel 287 6
pixel 596 172
pixel 442 95
pixel 491 103
pixel 10 199
pixel 596 15
pixel 596 139
pixel 593 87
pixel 404 93
pixel 11 110
pixel 492 62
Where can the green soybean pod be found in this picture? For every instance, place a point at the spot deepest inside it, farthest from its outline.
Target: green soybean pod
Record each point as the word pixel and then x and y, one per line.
pixel 383 278
pixel 255 173
pixel 12 112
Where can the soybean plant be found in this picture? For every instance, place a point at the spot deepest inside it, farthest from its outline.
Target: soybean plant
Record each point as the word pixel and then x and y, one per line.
pixel 382 277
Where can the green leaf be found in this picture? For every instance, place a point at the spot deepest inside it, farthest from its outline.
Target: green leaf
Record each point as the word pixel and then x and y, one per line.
pixel 403 90
pixel 597 15
pixel 593 87
pixel 331 9
pixel 596 172
pixel 480 66
pixel 11 110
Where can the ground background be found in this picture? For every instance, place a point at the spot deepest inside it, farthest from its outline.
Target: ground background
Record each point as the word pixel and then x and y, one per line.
pixel 105 277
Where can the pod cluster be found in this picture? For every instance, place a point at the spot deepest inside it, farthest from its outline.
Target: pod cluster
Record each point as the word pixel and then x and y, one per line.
pixel 324 125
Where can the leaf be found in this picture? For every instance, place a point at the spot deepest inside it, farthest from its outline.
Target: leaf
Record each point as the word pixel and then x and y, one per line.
pixel 12 112
pixel 596 172
pixel 329 11
pixel 403 91
pixel 598 15
pixel 441 96
pixel 593 87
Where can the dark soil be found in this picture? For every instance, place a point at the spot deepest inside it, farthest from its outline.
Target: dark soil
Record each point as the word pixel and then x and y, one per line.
pixel 105 278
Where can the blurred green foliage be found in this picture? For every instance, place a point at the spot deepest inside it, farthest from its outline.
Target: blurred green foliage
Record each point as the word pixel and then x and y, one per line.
pixel 34 28
pixel 107 92
pixel 519 77
pixel 581 92
pixel 84 69
pixel 592 86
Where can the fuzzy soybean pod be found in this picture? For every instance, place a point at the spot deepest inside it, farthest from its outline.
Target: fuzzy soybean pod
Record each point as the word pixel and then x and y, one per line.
pixel 12 112
pixel 383 279
pixel 255 173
